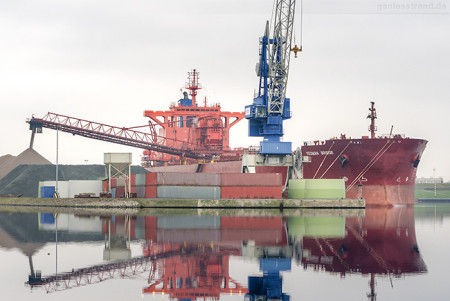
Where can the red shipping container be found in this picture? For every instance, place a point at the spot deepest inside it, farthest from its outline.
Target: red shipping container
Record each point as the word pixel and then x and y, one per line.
pixel 120 191
pixel 105 185
pixel 274 169
pixel 132 178
pixel 244 222
pixel 252 192
pixel 188 179
pixel 150 178
pixel 150 228
pixel 262 237
pixel 150 192
pixel 113 183
pixel 251 179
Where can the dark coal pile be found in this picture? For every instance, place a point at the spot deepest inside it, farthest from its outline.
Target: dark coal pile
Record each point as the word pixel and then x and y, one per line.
pixel 24 179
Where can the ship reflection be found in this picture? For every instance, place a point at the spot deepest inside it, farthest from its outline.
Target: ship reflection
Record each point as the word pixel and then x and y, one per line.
pixel 188 257
pixel 382 244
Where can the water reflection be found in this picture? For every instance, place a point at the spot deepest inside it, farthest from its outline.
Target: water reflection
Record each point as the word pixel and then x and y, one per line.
pixel 188 257
pixel 382 244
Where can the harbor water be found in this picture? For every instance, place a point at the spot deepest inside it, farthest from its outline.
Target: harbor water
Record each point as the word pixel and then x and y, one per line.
pixel 398 253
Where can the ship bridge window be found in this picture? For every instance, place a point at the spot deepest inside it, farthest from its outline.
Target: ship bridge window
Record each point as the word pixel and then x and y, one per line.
pixel 180 122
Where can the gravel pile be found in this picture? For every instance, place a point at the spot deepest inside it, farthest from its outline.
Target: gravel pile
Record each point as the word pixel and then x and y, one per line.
pixel 28 156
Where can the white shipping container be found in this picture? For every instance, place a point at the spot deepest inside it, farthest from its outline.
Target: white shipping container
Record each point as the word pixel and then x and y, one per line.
pixel 63 187
pixel 85 186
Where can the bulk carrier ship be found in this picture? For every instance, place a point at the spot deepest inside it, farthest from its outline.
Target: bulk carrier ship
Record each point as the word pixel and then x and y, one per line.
pixel 381 170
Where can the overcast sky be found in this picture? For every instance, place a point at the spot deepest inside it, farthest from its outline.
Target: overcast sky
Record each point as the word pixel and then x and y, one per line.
pixel 108 61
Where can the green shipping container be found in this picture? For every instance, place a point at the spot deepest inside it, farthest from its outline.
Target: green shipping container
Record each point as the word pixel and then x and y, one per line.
pixel 311 226
pixel 316 189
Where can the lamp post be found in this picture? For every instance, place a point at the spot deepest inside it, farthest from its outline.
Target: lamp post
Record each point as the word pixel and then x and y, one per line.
pixel 57 146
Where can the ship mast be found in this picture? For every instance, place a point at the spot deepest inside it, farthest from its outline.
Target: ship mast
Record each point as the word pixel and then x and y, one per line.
pixel 192 85
pixel 372 116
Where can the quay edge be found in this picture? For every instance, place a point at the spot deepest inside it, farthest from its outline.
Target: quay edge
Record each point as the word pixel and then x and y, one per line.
pixel 185 203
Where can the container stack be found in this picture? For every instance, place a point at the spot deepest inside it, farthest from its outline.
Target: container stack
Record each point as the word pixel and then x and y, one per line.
pixel 262 231
pixel 251 186
pixel 188 185
pixel 202 186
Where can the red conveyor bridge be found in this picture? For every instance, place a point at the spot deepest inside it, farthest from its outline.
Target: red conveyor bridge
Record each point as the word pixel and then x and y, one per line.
pixel 109 133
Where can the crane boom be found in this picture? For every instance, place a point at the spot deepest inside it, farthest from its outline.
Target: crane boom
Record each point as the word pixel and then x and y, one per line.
pixel 280 54
pixel 271 107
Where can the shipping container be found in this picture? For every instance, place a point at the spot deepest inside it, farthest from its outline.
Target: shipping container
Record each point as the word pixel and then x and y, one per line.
pixel 113 183
pixel 47 218
pixel 252 192
pixel 247 222
pixel 188 179
pixel 63 187
pixel 140 179
pixel 150 228
pixel 261 237
pixel 47 191
pixel 120 182
pixel 251 179
pixel 120 191
pixel 188 222
pixel 189 192
pixel 222 167
pixel 150 192
pixel 150 178
pixel 85 186
pixel 132 179
pixel 316 189
pixel 189 236
pixel 140 191
pixel 317 226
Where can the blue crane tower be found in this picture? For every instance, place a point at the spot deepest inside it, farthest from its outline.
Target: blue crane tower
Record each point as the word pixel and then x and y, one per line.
pixel 270 285
pixel 270 106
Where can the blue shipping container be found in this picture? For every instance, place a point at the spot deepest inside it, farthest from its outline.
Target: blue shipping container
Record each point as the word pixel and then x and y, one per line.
pixel 47 218
pixel 47 191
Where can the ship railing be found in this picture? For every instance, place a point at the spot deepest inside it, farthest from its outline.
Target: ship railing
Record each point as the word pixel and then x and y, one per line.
pixel 253 149
pixel 315 142
pixel 387 136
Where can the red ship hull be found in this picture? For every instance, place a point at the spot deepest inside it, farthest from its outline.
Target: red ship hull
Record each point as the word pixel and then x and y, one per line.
pixel 381 170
